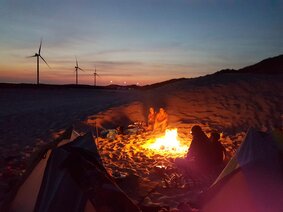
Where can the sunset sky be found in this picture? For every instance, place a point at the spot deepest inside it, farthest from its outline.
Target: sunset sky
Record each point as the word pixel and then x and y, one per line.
pixel 135 41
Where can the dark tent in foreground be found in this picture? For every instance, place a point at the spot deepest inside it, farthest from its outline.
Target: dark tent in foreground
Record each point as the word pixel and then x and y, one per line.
pixel 71 178
pixel 253 179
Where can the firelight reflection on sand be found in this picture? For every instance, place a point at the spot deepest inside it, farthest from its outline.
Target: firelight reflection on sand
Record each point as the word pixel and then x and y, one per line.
pixel 168 145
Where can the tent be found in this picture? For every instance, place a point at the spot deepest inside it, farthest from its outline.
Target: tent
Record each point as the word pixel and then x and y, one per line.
pixel 69 176
pixel 253 179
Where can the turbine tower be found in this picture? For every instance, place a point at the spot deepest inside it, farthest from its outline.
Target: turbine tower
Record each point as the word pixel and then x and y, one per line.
pixel 77 68
pixel 38 55
pixel 95 75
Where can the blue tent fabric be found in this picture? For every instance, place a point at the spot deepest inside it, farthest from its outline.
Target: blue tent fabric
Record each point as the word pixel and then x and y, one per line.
pixel 74 175
pixel 255 184
pixel 101 189
pixel 262 147
pixel 58 184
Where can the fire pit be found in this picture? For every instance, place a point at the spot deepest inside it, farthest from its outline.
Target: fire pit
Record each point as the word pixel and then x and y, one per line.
pixel 167 145
pixel 140 153
pixel 149 158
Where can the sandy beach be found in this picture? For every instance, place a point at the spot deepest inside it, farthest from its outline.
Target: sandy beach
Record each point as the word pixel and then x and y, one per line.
pixel 229 103
pixel 152 106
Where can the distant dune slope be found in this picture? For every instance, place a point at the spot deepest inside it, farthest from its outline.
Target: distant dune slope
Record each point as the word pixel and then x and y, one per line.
pixel 228 102
pixel 272 65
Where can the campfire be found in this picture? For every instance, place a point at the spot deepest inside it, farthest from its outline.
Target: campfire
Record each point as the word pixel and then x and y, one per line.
pixel 168 145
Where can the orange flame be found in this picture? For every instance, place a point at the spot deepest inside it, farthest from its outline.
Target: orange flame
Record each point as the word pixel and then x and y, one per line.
pixel 168 144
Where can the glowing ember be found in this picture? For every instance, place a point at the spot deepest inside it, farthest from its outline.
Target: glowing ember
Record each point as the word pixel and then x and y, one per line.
pixel 168 144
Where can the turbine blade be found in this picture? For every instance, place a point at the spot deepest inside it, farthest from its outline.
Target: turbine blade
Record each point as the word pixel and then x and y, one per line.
pixel 96 74
pixel 31 56
pixel 44 61
pixel 77 62
pixel 81 69
pixel 39 50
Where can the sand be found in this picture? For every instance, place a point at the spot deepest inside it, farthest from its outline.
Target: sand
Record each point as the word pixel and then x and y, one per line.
pixel 229 103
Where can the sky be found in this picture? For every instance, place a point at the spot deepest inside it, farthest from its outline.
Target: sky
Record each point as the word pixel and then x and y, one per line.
pixel 135 41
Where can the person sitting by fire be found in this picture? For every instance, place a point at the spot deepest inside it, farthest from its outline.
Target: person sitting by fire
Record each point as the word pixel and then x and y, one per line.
pixel 150 119
pixel 161 120
pixel 217 150
pixel 197 158
pixel 199 148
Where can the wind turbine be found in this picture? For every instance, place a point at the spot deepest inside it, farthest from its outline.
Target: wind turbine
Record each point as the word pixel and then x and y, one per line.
pixel 38 55
pixel 95 75
pixel 76 70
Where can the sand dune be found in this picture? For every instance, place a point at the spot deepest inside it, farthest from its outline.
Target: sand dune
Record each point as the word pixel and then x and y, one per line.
pixel 230 103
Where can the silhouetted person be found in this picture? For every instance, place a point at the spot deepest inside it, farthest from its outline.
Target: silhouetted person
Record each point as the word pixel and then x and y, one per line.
pixel 161 120
pixel 199 148
pixel 197 159
pixel 217 150
pixel 151 119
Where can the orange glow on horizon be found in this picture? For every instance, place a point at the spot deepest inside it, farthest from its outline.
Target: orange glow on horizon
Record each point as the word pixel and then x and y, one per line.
pixel 49 77
pixel 24 71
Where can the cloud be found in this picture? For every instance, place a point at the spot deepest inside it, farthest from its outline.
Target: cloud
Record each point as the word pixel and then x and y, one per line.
pixel 116 75
pixel 118 63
